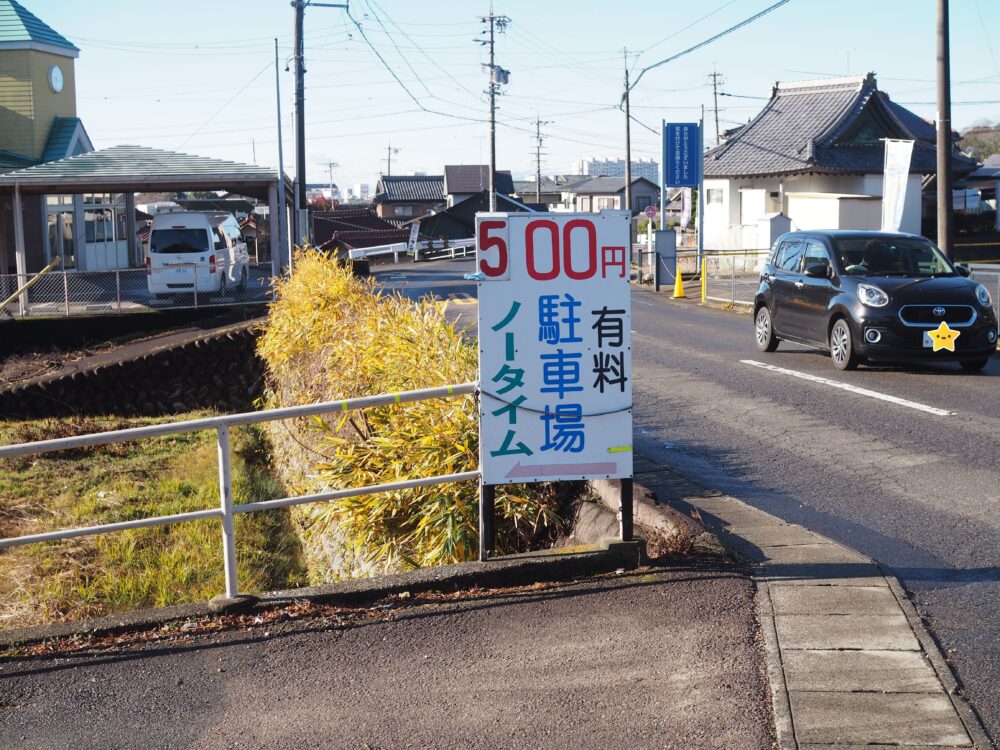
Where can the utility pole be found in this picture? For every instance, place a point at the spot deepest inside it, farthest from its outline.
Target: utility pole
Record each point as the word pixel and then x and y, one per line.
pixel 717 80
pixel 278 243
pixel 628 144
pixel 331 165
pixel 389 151
pixel 944 145
pixel 497 76
pixel 538 158
pixel 300 97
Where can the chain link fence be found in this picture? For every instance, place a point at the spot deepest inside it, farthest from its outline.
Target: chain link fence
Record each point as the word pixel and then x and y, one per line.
pixel 66 293
pixel 989 277
pixel 732 278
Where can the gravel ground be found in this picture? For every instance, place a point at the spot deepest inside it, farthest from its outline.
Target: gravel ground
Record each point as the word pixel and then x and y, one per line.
pixel 658 658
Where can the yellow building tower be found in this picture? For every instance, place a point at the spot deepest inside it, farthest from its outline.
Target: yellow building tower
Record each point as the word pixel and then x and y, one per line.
pixel 38 119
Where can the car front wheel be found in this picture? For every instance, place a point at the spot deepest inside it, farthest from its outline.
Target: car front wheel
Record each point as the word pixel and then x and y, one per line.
pixel 764 331
pixel 973 365
pixel 842 346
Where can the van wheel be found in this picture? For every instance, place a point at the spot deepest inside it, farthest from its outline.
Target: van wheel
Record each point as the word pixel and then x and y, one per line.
pixel 222 286
pixel 243 279
pixel 764 331
pixel 842 346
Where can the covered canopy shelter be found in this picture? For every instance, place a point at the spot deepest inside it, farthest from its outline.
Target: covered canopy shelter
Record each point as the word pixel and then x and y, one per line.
pixel 132 169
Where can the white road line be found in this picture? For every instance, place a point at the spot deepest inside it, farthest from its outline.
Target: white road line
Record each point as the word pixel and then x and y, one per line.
pixel 852 389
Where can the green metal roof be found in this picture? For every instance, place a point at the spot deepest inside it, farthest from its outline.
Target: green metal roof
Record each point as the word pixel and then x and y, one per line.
pixel 138 168
pixel 60 137
pixel 18 24
pixel 9 160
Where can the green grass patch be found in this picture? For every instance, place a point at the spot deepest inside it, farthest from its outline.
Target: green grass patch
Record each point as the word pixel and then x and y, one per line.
pixel 91 576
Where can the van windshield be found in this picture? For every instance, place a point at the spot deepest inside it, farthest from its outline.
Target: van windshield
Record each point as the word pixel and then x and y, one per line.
pixel 891 256
pixel 179 241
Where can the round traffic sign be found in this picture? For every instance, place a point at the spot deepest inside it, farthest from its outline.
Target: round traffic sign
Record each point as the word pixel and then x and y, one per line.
pixel 650 211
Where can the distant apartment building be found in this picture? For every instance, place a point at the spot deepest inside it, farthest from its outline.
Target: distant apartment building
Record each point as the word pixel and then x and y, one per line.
pixel 360 192
pixel 594 167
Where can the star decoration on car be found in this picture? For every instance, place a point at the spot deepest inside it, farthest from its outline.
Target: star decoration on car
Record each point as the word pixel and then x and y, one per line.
pixel 944 337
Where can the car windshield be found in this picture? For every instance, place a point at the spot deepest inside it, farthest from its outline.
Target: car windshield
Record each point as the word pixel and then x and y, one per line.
pixel 179 241
pixel 891 256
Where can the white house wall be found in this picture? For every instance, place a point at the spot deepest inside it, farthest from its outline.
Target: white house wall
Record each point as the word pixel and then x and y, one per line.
pixel 726 225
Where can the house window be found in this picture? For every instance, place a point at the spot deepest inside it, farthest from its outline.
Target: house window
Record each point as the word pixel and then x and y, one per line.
pixel 713 195
pixel 59 222
pixel 605 203
pixel 404 211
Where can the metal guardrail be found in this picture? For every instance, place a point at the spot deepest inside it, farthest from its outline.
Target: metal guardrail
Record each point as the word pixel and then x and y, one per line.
pixel 227 510
pixel 67 293
pixel 422 250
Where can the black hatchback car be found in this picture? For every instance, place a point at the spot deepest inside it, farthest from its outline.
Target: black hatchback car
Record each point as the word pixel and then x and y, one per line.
pixel 872 296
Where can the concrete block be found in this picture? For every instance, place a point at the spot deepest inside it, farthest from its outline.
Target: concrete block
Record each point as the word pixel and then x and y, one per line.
pixel 872 671
pixel 822 574
pixel 873 718
pixel 833 600
pixel 813 554
pixel 878 632
pixel 775 535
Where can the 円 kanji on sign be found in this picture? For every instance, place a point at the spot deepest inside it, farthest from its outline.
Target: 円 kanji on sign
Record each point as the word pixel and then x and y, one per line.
pixel 554 346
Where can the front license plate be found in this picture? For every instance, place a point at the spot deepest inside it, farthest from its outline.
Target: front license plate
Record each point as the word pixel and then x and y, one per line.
pixel 928 341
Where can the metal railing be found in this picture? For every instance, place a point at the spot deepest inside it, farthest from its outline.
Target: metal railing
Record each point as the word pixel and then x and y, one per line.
pixel 423 250
pixel 67 293
pixel 227 510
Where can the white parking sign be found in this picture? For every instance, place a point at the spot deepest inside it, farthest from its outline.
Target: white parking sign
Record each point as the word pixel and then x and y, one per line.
pixel 555 346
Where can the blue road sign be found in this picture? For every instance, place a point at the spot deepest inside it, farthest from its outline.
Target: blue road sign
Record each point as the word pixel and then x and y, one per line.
pixel 681 154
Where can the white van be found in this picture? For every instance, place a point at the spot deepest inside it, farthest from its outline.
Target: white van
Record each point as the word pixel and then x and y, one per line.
pixel 194 251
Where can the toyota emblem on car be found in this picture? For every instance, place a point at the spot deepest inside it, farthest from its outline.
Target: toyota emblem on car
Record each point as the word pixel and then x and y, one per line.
pixel 939 311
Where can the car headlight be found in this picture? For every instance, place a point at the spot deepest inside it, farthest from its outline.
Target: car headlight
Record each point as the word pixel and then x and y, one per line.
pixel 872 296
pixel 983 295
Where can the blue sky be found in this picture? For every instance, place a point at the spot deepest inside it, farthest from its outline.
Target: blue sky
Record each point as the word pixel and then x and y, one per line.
pixel 198 76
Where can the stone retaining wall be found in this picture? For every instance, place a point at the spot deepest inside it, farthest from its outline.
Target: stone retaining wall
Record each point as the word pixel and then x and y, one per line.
pixel 220 371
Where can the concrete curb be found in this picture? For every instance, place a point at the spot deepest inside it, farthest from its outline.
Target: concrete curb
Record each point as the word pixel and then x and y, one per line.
pixel 556 565
pixel 748 517
pixel 941 668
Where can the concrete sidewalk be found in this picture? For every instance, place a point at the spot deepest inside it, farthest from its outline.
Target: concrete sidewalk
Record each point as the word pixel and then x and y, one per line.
pixel 849 661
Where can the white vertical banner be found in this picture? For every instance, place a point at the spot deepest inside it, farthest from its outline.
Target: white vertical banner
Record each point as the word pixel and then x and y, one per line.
pixel 685 207
pixel 897 171
pixel 555 346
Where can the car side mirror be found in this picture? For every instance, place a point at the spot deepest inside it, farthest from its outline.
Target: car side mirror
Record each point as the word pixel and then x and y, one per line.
pixel 963 269
pixel 817 271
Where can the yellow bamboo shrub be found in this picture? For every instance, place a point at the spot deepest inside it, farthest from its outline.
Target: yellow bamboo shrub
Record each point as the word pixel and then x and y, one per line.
pixel 331 336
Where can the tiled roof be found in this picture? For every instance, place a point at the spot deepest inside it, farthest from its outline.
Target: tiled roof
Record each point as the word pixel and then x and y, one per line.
pixel 832 126
pixel 18 24
pixel 605 185
pixel 60 137
pixel 410 189
pixel 471 178
pixel 356 227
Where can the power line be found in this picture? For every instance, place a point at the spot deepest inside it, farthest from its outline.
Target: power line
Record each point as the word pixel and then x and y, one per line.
pixel 685 28
pixel 708 41
pixel 228 102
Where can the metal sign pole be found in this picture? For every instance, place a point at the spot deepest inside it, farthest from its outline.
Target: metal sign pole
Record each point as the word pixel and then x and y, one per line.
pixel 487 520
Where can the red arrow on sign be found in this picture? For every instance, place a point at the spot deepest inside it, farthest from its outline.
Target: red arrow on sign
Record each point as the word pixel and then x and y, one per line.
pixel 554 470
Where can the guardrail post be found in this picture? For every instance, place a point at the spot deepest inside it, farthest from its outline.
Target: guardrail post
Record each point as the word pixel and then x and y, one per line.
pixel 118 288
pixel 704 279
pixel 66 292
pixel 625 509
pixel 487 520
pixel 226 503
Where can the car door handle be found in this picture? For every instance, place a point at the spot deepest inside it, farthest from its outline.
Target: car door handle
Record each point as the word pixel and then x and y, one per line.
pixel 799 284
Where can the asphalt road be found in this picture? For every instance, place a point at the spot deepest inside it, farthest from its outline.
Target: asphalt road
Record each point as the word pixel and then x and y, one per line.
pixel 652 659
pixel 917 490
